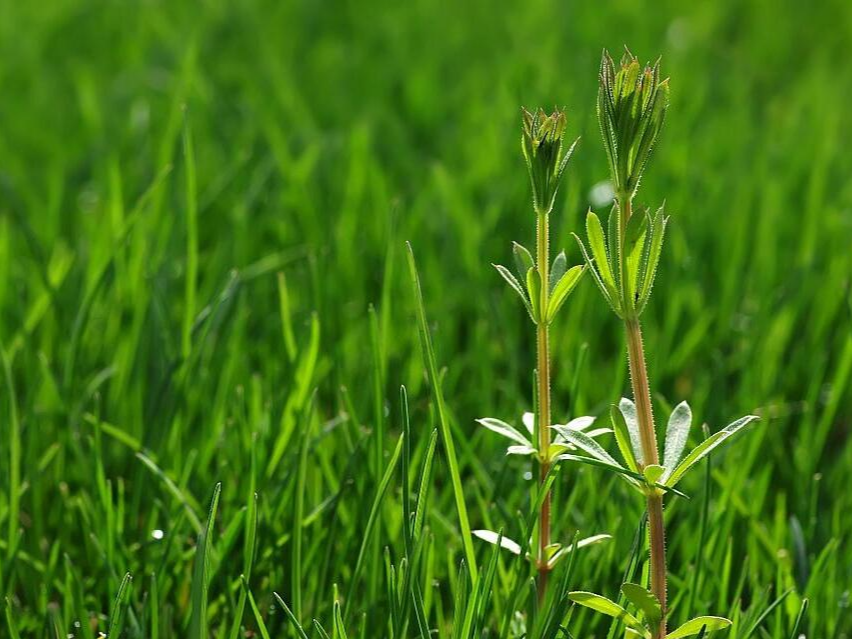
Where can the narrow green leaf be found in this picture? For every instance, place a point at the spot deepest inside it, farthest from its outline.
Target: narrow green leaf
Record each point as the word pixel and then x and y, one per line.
pixel 443 419
pixel 623 438
pixel 585 443
pixel 294 622
pixel 201 572
pixel 516 286
pixel 10 621
pixel 707 446
pixel 607 607
pixel 629 412
pixel 558 269
pixel 599 251
pixel 492 537
pixel 371 518
pixel 502 428
pixel 523 259
pixel 338 628
pixel 677 431
pixel 534 284
pixel 564 287
pixel 423 491
pixel 644 600
pixel 652 258
pixel 119 607
pixel 612 300
pixel 697 625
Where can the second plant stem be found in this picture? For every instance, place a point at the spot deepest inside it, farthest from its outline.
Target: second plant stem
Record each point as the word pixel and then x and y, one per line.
pixel 646 423
pixel 544 400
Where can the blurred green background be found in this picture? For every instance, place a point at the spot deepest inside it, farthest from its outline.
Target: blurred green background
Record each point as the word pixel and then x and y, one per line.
pixel 325 135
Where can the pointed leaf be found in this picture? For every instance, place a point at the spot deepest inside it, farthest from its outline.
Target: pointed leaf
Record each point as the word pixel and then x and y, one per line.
pixel 677 431
pixel 534 283
pixel 565 550
pixel 644 600
pixel 653 257
pixel 706 447
pixel 558 269
pixel 564 287
pixel 502 428
pixel 493 537
pixel 516 286
pixel 521 450
pixel 607 607
pixel 612 299
pixel 623 438
pixel 523 259
pixel 629 412
pixel 599 250
pixel 695 626
pixel 585 443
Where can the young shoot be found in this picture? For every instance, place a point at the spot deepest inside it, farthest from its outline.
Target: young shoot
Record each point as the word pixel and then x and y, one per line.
pixel 632 105
pixel 543 287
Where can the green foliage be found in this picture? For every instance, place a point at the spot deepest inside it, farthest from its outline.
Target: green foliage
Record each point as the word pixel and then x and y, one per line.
pixel 322 140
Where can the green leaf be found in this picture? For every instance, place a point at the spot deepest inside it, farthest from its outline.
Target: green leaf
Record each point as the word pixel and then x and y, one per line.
pixel 629 412
pixel 599 251
pixel 623 438
pixel 706 447
pixel 677 431
pixel 534 284
pixel 201 571
pixel 294 622
pixel 652 258
pixel 607 607
pixel 635 242
pixel 502 428
pixel 516 286
pixel 695 626
pixel 613 301
pixel 497 539
pixel 644 600
pixel 585 443
pixel 523 259
pixel 653 472
pixel 564 287
pixel 558 269
pixel 565 550
pixel 635 230
pixel 120 606
pixel 443 420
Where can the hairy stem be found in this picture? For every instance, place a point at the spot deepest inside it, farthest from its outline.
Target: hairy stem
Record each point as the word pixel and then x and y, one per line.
pixel 646 423
pixel 544 392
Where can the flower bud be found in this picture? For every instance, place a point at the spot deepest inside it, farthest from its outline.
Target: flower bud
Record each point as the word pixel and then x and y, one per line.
pixel 632 104
pixel 542 145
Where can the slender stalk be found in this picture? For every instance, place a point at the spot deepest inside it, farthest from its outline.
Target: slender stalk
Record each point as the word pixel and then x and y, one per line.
pixel 544 391
pixel 646 423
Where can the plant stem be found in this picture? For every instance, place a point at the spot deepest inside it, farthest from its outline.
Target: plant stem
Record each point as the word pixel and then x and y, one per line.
pixel 544 380
pixel 646 424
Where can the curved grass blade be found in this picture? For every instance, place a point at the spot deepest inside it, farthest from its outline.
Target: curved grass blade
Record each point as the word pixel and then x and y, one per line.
pixel 443 419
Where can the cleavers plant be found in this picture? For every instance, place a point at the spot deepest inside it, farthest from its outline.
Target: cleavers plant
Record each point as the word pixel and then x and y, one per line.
pixel 632 104
pixel 543 288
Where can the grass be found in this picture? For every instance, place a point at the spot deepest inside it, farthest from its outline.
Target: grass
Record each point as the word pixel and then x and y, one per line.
pixel 198 207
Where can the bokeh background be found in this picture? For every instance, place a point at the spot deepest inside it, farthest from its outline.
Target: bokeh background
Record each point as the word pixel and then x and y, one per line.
pixel 325 135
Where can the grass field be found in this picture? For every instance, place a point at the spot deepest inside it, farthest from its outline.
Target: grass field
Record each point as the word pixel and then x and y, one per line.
pixel 206 307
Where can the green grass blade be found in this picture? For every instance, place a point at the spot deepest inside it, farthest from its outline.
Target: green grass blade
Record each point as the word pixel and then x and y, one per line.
pixel 201 572
pixel 443 419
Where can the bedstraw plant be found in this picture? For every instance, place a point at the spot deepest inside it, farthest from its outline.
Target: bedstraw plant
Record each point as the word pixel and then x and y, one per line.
pixel 632 105
pixel 543 287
